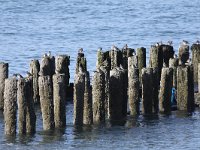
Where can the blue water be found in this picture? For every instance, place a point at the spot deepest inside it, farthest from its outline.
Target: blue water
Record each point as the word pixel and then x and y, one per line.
pixel 28 29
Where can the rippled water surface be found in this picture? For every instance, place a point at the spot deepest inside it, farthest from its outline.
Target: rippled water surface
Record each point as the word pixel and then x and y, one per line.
pixel 30 28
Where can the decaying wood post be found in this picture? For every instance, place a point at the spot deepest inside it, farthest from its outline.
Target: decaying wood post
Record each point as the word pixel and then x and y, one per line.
pixel 155 87
pixel 59 99
pixel 79 89
pixel 3 76
pixel 46 101
pixel 34 70
pixel 165 90
pixel 168 52
pixel 116 58
pixel 195 60
pixel 185 88
pixel 133 88
pixel 116 100
pixel 47 66
pixel 10 106
pixel 141 54
pixel 183 54
pixel 81 62
pixel 87 110
pixel 98 96
pixel 173 63
pixel 147 90
pixel 156 58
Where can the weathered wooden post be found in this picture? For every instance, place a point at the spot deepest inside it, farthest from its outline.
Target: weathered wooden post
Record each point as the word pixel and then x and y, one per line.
pixel 116 58
pixel 47 66
pixel 79 89
pixel 34 70
pixel 126 52
pixel 168 52
pixel 173 63
pixel 155 87
pixel 59 99
pixel 165 90
pixel 98 96
pixel 116 100
pixel 30 111
pixel 62 63
pixel 198 77
pixel 141 54
pixel 156 58
pixel 147 90
pixel 185 88
pixel 10 106
pixel 3 76
pixel 195 60
pixel 46 101
pixel 81 62
pixel 22 102
pixel 87 110
pixel 133 88
pixel 183 54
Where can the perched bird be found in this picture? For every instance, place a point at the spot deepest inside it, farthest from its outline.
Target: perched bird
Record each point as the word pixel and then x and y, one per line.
pixel 15 75
pixel 80 50
pixel 157 44
pixel 184 42
pixel 175 56
pixel 125 47
pixel 99 49
pixel 45 55
pixel 170 43
pixel 28 74
pixel 49 54
pixel 114 48
pixel 19 76
pixel 197 42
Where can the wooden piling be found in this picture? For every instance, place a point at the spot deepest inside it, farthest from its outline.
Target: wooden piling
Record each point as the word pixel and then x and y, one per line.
pixel 47 66
pixel 155 87
pixel 10 106
pixel 185 88
pixel 34 70
pixel 173 63
pixel 59 99
pixel 30 111
pixel 98 96
pixel 3 76
pixel 46 101
pixel 116 100
pixel 133 89
pixel 195 60
pixel 62 63
pixel 116 58
pixel 168 52
pixel 156 58
pixel 81 62
pixel 141 54
pixel 22 102
pixel 165 90
pixel 183 54
pixel 79 89
pixel 87 110
pixel 147 90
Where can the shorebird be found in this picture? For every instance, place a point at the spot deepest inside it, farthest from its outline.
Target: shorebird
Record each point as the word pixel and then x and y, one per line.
pixel 157 44
pixel 49 54
pixel 45 55
pixel 170 43
pixel 19 76
pixel 184 42
pixel 15 75
pixel 125 47
pixel 80 50
pixel 114 48
pixel 175 56
pixel 197 42
pixel 28 74
pixel 99 49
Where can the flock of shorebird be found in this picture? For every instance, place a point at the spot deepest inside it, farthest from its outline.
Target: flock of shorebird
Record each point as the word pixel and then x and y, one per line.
pixel 184 42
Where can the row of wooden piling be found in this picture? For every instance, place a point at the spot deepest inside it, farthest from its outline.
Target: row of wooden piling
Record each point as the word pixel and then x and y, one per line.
pixel 121 77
